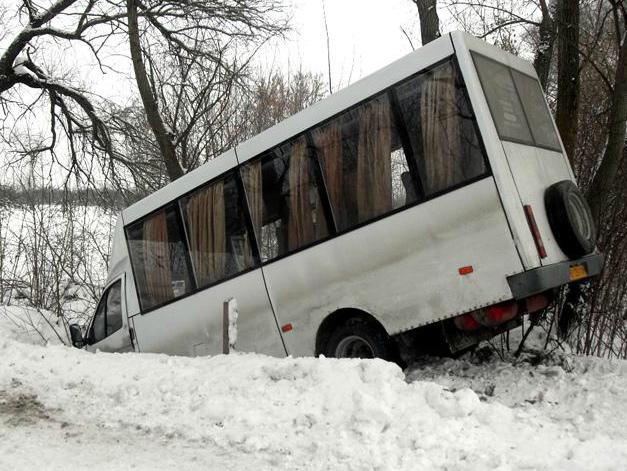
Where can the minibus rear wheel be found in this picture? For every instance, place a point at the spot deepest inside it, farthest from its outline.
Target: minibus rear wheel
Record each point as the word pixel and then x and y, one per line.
pixel 355 337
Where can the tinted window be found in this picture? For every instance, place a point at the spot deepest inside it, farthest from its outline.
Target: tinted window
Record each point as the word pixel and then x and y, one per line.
pixel 108 317
pixel 215 221
pixel 505 106
pixel 441 129
pixel 284 199
pixel 536 110
pixel 97 331
pixel 364 163
pixel 159 258
pixel 114 308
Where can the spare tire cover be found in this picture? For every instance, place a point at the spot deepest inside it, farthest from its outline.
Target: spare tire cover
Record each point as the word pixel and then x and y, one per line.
pixel 570 219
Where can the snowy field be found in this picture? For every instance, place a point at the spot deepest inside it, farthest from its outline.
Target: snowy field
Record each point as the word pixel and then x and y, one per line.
pixel 63 409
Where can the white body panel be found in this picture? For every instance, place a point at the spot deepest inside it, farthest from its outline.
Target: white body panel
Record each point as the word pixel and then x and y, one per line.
pixel 536 169
pixel 402 269
pixel 193 325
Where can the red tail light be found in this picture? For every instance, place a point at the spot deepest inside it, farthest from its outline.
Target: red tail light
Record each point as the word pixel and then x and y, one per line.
pixel 531 220
pixel 497 314
pixel 466 322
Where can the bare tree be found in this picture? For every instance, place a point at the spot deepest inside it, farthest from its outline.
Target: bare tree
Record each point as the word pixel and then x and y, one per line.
pixel 209 33
pixel 546 41
pixel 605 177
pixel 275 97
pixel 429 20
pixel 200 34
pixel 568 74
pixel 22 65
pixel 220 117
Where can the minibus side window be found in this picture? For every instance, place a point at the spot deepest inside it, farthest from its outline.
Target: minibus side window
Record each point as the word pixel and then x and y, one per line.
pixel 219 243
pixel 364 163
pixel 441 128
pixel 284 199
pixel 159 258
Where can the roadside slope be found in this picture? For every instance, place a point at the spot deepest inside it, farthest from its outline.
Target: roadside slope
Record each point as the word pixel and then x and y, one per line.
pixel 62 408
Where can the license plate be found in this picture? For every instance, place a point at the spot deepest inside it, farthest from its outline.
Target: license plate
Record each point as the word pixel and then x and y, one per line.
pixel 577 272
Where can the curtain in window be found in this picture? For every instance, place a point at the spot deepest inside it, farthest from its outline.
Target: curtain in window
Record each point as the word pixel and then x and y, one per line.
pixel 251 176
pixel 207 234
pixel 156 256
pixel 305 218
pixel 441 130
pixel 374 164
pixel 328 142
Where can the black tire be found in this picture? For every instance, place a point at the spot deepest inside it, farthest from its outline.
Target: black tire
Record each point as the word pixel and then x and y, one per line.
pixel 358 338
pixel 570 219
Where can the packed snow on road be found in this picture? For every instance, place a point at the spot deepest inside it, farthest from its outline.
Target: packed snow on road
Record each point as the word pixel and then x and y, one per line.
pixel 62 408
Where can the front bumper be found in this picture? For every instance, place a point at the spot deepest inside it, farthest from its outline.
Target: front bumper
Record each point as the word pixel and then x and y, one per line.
pixel 541 279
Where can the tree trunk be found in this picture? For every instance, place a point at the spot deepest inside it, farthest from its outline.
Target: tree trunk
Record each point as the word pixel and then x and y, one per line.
pixel 429 21
pixel 166 146
pixel 542 60
pixel 603 181
pixel 568 74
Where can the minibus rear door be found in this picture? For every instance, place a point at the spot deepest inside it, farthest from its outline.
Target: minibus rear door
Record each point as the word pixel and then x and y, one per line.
pixel 529 140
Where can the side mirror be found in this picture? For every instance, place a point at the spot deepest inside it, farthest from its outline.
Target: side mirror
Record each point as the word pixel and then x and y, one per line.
pixel 77 336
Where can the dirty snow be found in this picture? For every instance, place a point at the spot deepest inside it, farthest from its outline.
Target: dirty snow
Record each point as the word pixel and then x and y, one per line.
pixel 63 409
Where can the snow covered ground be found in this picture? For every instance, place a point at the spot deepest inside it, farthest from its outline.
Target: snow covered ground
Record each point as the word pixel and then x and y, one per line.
pixel 63 409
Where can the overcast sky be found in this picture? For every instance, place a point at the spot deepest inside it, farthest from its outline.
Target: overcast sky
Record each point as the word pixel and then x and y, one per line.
pixel 364 36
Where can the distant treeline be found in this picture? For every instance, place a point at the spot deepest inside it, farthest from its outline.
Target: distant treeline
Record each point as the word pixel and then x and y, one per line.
pixel 102 197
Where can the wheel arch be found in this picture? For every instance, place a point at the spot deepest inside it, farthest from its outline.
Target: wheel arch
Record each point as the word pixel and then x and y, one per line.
pixel 335 318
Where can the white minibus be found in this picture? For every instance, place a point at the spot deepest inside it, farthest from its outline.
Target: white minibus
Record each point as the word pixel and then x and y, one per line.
pixel 424 208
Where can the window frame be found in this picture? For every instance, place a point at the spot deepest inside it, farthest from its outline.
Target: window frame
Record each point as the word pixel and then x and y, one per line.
pixel 417 179
pixel 509 69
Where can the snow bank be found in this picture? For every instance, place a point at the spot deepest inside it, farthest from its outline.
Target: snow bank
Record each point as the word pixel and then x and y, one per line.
pixel 62 408
pixel 31 326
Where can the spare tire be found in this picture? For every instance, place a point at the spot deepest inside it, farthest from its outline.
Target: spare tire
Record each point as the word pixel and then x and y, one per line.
pixel 570 219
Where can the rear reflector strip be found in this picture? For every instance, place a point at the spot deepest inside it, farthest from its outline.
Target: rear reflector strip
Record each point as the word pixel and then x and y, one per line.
pixel 531 220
